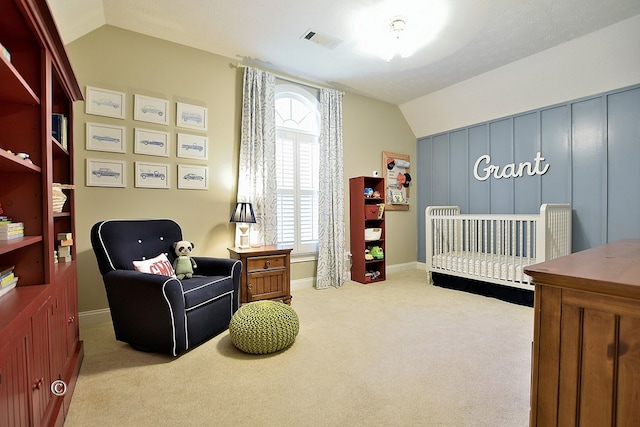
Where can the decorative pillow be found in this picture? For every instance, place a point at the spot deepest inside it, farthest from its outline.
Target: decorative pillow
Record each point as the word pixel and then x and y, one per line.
pixel 158 265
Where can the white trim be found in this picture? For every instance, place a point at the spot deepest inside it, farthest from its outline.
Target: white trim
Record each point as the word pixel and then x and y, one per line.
pixel 309 282
pixel 300 284
pixel 402 267
pixel 94 317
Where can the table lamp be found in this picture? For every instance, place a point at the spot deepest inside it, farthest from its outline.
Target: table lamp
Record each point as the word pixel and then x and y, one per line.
pixel 243 216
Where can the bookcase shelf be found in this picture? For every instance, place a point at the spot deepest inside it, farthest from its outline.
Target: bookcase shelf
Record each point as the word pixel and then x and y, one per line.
pixel 12 163
pixel 7 246
pixel 15 88
pixel 39 335
pixel 359 205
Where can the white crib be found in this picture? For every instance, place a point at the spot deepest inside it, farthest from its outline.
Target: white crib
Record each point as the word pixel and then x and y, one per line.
pixel 495 248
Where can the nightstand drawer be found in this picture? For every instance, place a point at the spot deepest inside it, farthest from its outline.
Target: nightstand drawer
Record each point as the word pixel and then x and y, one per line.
pixel 266 263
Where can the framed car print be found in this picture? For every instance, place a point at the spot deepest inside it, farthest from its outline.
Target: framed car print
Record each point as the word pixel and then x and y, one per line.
pixel 152 110
pixel 106 173
pixel 193 177
pixel 103 137
pixel 192 146
pixel 191 116
pixel 104 102
pixel 152 175
pixel 151 142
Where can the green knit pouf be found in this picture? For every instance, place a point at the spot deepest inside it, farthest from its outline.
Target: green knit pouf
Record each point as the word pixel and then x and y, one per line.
pixel 262 327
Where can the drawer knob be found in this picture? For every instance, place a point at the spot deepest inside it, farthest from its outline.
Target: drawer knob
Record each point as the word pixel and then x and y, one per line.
pixel 267 264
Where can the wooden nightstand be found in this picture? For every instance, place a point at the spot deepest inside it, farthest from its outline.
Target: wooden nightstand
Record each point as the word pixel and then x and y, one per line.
pixel 265 273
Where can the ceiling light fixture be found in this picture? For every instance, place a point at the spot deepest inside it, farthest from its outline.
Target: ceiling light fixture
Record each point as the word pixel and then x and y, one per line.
pixel 398 28
pixel 398 46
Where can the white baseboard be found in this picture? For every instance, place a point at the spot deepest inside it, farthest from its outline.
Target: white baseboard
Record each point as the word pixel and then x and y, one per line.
pixel 402 267
pixel 306 283
pixel 96 317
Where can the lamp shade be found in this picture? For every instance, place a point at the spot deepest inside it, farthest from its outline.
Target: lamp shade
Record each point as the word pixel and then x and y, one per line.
pixel 243 213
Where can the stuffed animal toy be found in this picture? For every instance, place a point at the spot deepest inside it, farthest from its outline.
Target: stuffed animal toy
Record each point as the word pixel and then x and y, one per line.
pixel 377 252
pixel 367 255
pixel 183 264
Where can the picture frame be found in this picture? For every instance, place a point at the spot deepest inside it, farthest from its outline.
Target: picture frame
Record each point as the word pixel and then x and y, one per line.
pixel 151 142
pixel 152 175
pixel 191 116
pixel 103 137
pixel 106 173
pixel 192 146
pixel 149 109
pixel 395 170
pixel 104 102
pixel 193 177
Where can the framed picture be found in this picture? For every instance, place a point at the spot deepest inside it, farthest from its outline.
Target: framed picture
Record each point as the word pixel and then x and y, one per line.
pixel 191 116
pixel 104 102
pixel 101 137
pixel 152 110
pixel 152 175
pixel 192 146
pixel 106 173
pixel 193 177
pixel 395 170
pixel 151 142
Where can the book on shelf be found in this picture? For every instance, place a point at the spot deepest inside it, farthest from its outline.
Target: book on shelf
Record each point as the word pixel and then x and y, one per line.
pixel 9 277
pixel 59 124
pixel 6 270
pixel 6 287
pixel 5 52
pixel 12 230
pixel 12 226
pixel 11 236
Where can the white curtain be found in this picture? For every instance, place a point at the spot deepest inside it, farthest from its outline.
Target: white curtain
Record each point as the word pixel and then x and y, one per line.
pixel 257 167
pixel 333 268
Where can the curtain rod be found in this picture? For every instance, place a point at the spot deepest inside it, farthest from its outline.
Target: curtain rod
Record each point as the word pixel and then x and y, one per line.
pixel 288 79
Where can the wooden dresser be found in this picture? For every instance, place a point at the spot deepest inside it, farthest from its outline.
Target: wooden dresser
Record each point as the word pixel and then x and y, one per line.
pixel 586 344
pixel 265 273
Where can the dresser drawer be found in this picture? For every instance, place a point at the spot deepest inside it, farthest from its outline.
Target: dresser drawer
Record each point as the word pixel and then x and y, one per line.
pixel 266 263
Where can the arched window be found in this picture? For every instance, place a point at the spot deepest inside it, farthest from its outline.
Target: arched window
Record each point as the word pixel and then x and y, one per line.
pixel 297 131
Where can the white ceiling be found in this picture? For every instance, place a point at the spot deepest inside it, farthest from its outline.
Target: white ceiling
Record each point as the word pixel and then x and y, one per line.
pixel 477 36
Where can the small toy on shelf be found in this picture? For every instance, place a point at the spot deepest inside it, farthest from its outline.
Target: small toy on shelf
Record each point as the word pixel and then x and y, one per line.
pixel 65 245
pixel 367 255
pixel 377 252
pixel 368 192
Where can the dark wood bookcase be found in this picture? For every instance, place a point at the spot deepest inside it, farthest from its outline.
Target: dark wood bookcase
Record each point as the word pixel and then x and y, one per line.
pixel 364 214
pixel 40 347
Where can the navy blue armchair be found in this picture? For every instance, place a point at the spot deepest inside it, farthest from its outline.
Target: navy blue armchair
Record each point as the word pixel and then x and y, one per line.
pixel 160 313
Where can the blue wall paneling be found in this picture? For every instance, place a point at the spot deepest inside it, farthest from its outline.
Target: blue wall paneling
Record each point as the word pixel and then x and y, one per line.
pixel 592 147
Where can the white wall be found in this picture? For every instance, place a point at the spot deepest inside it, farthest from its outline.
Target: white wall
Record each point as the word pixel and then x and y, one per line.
pixel 598 62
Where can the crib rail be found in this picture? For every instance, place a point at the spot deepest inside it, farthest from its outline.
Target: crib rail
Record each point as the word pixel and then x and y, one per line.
pixel 495 248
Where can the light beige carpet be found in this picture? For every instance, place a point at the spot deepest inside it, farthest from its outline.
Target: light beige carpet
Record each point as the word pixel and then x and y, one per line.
pixel 393 353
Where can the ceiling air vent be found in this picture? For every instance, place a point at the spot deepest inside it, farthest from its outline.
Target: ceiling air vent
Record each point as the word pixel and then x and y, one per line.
pixel 321 39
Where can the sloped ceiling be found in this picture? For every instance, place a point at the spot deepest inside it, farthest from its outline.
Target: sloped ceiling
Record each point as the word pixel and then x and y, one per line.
pixel 476 36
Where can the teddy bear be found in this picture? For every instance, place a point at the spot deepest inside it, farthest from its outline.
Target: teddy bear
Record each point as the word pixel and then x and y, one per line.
pixel 183 264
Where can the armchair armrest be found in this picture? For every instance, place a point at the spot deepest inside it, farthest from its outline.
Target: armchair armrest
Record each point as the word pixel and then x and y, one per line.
pixel 147 310
pixel 208 266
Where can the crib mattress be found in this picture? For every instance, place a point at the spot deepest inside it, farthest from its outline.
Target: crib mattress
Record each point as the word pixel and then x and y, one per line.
pixel 499 267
